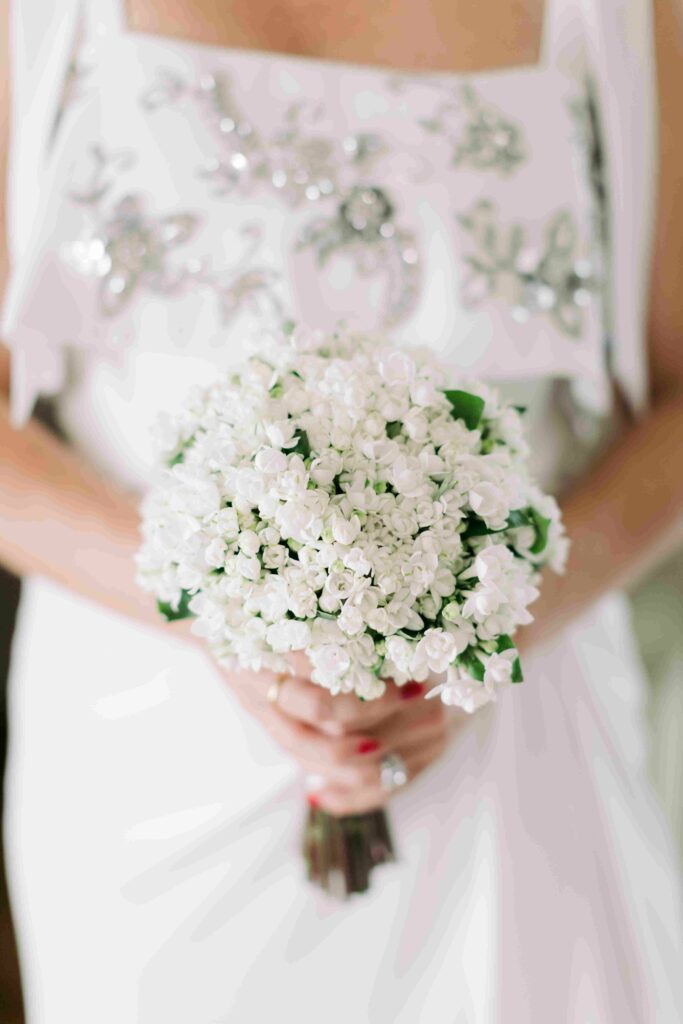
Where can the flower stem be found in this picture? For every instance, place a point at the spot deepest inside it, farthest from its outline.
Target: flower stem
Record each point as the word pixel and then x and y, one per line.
pixel 340 853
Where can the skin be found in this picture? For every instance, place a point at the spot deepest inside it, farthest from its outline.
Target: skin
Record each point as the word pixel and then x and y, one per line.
pixel 61 519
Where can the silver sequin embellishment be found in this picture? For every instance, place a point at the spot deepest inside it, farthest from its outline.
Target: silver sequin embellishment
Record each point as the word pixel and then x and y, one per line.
pixel 480 135
pixel 364 225
pixel 303 165
pixel 128 249
pixel 552 279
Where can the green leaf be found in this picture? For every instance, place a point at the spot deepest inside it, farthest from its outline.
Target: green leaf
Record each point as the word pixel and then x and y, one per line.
pixel 466 407
pixel 505 643
pixel 542 526
pixel 180 454
pixel 530 517
pixel 477 528
pixel 519 517
pixel 172 614
pixel 303 445
pixel 474 666
pixel 288 326
pixel 394 428
pixel 521 409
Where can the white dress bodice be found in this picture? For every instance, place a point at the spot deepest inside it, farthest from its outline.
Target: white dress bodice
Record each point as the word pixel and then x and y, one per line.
pixel 197 194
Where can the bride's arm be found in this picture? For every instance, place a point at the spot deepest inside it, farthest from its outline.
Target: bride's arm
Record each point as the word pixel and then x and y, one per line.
pixel 60 519
pixel 626 514
pixel 57 516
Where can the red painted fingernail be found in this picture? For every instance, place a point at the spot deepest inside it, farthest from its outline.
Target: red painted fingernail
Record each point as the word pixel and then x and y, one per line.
pixel 313 800
pixel 367 746
pixel 411 690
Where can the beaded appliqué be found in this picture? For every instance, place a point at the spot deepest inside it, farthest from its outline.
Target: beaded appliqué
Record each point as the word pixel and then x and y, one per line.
pixel 128 249
pixel 589 137
pixel 548 279
pixel 480 136
pixel 303 165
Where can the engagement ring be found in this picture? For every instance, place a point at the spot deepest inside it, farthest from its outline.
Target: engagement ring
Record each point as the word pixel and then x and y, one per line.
pixel 393 772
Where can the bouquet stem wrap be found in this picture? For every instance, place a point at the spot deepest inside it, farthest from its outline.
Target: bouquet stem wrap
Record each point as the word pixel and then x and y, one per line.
pixel 340 853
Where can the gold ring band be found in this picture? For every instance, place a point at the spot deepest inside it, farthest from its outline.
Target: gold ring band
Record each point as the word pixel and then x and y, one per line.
pixel 273 691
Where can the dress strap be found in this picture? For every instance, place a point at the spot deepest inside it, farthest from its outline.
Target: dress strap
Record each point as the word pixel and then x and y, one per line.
pixel 104 16
pixel 42 40
pixel 621 61
pixel 563 27
pixel 549 33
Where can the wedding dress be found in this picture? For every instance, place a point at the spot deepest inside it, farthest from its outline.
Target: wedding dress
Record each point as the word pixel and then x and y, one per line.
pixel 166 199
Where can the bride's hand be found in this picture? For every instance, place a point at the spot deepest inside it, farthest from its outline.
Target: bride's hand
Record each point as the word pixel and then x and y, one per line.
pixel 342 739
pixel 418 730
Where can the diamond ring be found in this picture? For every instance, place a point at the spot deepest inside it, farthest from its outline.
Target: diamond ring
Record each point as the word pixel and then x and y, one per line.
pixel 393 772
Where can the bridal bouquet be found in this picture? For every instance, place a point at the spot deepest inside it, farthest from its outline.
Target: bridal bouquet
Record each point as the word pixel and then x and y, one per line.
pixel 340 497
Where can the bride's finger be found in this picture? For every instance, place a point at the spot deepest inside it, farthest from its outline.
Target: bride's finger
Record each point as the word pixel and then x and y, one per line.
pixel 300 699
pixel 351 713
pixel 406 730
pixel 416 742
pixel 314 750
pixel 340 799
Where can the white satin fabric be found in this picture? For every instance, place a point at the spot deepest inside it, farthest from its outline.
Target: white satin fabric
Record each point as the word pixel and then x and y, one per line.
pixel 152 829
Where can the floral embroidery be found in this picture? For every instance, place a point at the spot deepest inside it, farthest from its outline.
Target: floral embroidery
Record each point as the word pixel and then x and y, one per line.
pixel 479 134
pixel 299 161
pixel 128 249
pixel 550 279
pixel 487 141
pixel 303 164
pixel 590 138
pixel 364 225
pixel 585 112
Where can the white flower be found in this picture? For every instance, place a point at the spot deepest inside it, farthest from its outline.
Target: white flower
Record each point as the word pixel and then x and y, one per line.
pixel 458 627
pixel 350 619
pixel 298 521
pixel 395 366
pixel 355 560
pixel 275 557
pixel 407 476
pixel 400 651
pixel 345 531
pixel 329 661
pixel 462 691
pixel 249 542
pixel 326 467
pixel 435 651
pixel 273 600
pixel 281 433
pixel 498 670
pixel 289 635
pixel 377 532
pixel 270 460
pixel 215 553
pixel 490 503
pixel 247 566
